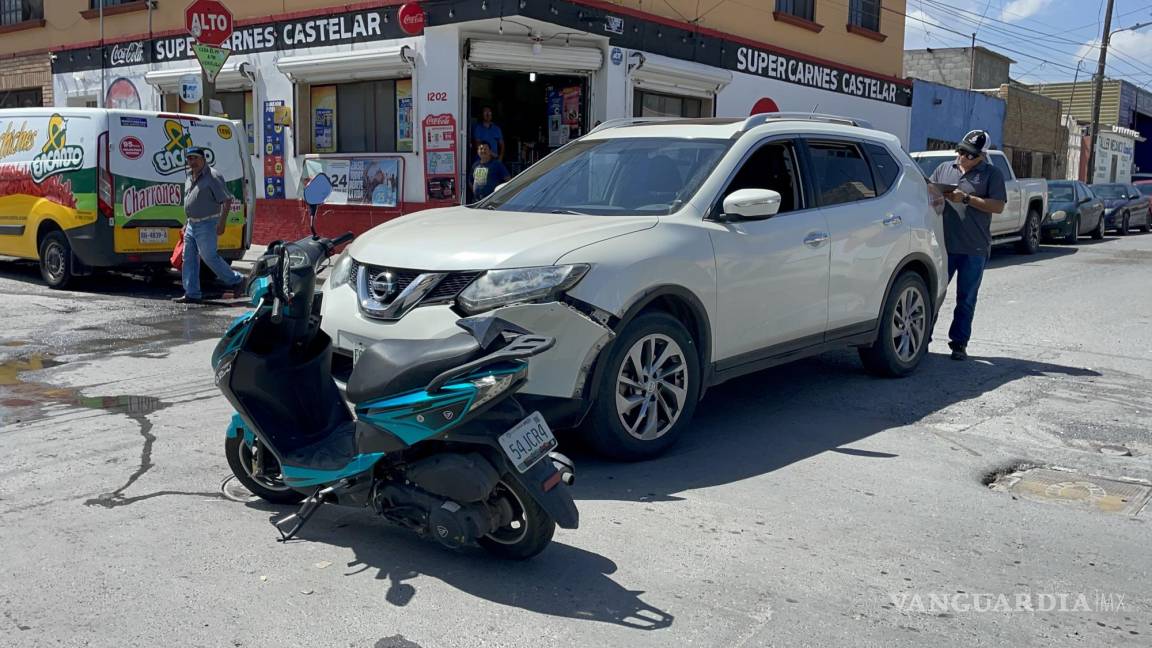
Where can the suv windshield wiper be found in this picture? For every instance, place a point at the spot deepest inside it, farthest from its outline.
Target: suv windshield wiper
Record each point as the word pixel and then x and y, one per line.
pixel 569 211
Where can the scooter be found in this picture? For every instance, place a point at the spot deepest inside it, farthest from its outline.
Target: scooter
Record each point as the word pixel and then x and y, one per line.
pixel 435 442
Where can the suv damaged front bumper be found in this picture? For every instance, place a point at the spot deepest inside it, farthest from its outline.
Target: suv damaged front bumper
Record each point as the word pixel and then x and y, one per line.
pixel 560 372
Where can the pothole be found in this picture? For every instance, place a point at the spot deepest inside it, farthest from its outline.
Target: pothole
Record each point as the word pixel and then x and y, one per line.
pixel 1070 488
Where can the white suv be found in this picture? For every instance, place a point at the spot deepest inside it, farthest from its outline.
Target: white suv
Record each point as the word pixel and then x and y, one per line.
pixel 667 256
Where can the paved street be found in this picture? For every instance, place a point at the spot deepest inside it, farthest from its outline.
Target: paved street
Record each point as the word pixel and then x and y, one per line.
pixel 811 505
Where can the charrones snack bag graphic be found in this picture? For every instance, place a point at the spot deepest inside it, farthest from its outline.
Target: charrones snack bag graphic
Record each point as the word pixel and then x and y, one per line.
pixel 171 159
pixel 56 156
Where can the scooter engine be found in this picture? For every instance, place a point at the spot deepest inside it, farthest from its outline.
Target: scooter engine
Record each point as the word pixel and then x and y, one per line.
pixel 451 523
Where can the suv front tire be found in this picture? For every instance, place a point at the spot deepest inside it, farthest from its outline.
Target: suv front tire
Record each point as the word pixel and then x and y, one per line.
pixel 905 326
pixel 647 391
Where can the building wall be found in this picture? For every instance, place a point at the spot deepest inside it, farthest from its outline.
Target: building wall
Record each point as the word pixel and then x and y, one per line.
pixel 952 67
pixel 1034 137
pixel 1077 99
pixel 755 20
pixel 946 114
pixel 26 72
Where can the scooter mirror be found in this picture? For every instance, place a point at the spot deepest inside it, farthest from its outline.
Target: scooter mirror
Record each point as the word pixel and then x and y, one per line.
pixel 317 190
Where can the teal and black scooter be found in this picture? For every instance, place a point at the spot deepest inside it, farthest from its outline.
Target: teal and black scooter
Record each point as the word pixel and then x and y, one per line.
pixel 434 441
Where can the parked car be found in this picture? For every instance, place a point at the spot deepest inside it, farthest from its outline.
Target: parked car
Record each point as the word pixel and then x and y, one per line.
pixel 1145 189
pixel 1073 211
pixel 1023 216
pixel 707 249
pixel 1124 207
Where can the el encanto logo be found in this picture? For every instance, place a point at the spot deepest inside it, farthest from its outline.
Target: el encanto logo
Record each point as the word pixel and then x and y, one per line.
pixel 171 159
pixel 56 156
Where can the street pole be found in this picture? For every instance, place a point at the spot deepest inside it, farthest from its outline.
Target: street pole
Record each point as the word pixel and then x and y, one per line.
pixel 100 101
pixel 972 63
pixel 1094 129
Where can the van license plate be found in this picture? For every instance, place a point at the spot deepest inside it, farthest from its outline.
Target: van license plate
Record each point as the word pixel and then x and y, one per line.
pixel 528 442
pixel 153 235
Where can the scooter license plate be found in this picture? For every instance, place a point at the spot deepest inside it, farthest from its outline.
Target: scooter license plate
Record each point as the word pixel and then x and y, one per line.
pixel 528 442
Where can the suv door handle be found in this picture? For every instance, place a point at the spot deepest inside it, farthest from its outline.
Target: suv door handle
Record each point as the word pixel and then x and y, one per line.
pixel 816 239
pixel 892 219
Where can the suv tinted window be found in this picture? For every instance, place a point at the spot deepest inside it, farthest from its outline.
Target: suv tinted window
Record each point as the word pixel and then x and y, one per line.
pixel 1001 162
pixel 772 166
pixel 884 167
pixel 840 173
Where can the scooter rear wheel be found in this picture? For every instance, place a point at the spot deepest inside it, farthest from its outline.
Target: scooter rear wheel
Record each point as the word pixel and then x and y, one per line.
pixel 529 532
pixel 265 486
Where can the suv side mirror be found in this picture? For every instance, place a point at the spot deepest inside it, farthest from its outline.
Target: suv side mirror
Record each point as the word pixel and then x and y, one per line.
pixel 751 204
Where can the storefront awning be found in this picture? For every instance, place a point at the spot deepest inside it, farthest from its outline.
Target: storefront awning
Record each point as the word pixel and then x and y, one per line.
pixel 508 55
pixel 235 75
pixel 357 65
pixel 671 76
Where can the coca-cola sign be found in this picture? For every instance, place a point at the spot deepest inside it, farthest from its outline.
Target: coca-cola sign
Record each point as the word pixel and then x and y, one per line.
pixel 412 18
pixel 126 54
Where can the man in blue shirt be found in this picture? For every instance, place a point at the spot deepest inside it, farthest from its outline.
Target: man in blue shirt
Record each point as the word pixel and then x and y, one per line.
pixel 979 194
pixel 486 131
pixel 488 173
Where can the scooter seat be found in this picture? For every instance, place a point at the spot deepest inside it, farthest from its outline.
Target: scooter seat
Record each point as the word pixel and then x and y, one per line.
pixel 395 366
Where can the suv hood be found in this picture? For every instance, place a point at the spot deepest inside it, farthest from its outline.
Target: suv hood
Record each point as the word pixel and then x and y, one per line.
pixel 460 238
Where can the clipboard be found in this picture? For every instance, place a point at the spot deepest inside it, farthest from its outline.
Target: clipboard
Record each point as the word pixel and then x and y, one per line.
pixel 942 187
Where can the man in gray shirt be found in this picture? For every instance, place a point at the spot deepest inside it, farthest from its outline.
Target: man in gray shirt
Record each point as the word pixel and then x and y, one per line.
pixel 979 194
pixel 206 205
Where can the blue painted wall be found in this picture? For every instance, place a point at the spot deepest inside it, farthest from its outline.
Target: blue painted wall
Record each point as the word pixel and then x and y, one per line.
pixel 946 113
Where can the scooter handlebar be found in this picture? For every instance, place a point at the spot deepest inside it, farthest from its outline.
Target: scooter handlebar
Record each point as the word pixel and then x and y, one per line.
pixel 342 239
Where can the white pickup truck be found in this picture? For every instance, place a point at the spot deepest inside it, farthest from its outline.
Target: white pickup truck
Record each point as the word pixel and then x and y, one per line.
pixel 1027 207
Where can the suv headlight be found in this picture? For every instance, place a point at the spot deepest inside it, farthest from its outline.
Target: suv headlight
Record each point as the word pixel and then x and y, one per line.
pixel 497 288
pixel 341 270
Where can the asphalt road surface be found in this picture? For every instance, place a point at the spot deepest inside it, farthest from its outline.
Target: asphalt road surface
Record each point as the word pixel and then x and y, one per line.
pixel 810 505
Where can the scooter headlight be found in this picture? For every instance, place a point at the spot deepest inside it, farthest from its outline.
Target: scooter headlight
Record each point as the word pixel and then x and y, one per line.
pixel 341 270
pixel 489 387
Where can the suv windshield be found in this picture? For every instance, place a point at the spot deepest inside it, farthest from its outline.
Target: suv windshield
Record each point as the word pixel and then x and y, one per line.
pixel 625 176
pixel 1109 191
pixel 1060 193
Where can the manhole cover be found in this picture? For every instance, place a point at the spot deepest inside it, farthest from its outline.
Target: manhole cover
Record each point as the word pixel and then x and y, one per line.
pixel 235 491
pixel 1097 493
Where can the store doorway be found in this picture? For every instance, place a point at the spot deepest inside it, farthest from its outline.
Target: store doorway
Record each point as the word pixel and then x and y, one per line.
pixel 537 113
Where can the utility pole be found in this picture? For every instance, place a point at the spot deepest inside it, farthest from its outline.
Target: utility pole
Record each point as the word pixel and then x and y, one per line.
pixel 1094 129
pixel 972 62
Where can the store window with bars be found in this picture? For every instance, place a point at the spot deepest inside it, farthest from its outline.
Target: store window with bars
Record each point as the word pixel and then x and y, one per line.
pixel 865 14
pixel 14 12
pixel 805 9
pixel 654 104
pixel 360 117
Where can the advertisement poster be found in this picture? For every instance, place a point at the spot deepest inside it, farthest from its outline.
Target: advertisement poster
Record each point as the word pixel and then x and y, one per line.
pixel 374 181
pixel 557 131
pixel 324 119
pixel 440 167
pixel 122 94
pixel 250 122
pixel 404 115
pixel 273 151
pixel 572 107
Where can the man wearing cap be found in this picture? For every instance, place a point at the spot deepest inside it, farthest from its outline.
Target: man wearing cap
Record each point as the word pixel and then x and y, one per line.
pixel 979 194
pixel 206 205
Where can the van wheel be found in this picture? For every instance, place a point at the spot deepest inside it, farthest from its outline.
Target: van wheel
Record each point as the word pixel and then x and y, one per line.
pixel 1030 235
pixel 56 260
pixel 904 329
pixel 647 391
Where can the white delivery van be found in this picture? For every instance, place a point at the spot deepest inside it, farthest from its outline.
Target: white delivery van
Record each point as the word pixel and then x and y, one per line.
pixel 85 188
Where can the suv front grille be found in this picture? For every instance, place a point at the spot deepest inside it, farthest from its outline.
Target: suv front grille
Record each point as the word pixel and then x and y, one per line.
pixel 389 293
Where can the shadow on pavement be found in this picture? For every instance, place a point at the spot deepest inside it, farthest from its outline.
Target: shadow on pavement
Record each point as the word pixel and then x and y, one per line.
pixel 764 422
pixel 563 581
pixel 143 285
pixel 1006 257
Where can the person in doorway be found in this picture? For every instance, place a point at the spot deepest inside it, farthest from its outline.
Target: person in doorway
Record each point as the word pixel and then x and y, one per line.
pixel 488 172
pixel 979 194
pixel 206 206
pixel 487 131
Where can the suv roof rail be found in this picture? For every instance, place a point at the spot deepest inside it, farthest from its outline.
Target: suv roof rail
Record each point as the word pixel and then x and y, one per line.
pixel 764 118
pixel 621 122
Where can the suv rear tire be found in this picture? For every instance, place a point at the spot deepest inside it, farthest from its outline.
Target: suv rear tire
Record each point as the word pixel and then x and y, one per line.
pixel 647 391
pixel 905 326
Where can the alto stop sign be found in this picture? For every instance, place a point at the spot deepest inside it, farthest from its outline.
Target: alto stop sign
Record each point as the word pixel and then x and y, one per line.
pixel 208 21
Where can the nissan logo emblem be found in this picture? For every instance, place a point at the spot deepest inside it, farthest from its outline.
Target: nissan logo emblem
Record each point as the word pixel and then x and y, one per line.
pixel 383 285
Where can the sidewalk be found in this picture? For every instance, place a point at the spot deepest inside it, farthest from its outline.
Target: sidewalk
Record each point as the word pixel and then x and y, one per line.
pixel 250 256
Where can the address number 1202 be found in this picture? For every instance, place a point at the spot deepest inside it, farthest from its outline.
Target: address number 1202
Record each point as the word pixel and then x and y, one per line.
pixel 437 96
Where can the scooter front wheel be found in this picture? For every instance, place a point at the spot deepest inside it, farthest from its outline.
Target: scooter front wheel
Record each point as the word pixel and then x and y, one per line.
pixel 528 533
pixel 267 485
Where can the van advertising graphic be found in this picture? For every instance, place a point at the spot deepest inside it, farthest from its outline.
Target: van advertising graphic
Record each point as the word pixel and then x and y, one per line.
pixel 56 156
pixel 170 159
